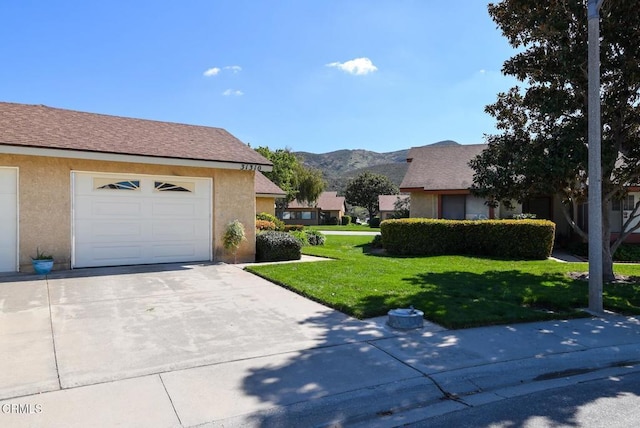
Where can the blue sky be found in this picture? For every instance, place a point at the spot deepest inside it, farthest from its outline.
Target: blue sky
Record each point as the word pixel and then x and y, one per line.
pixel 310 75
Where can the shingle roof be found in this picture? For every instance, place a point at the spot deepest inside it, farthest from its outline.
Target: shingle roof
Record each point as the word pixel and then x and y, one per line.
pixel 328 201
pixel 264 186
pixel 387 202
pixel 440 167
pixel 46 127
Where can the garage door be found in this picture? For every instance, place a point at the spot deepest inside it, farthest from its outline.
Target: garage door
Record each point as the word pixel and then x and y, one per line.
pixel 128 219
pixel 8 219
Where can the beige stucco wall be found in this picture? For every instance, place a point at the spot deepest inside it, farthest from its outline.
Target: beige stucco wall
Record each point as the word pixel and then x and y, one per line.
pixel 265 205
pixel 423 205
pixel 45 203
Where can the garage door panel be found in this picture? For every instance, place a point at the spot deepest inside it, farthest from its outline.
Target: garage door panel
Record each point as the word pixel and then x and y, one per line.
pixel 146 225
pixel 173 210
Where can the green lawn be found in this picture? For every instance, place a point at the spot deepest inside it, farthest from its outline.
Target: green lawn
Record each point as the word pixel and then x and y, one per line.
pixel 453 291
pixel 349 228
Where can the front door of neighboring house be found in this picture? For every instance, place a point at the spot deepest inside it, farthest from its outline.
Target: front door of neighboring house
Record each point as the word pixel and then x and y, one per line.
pixel 8 219
pixel 453 207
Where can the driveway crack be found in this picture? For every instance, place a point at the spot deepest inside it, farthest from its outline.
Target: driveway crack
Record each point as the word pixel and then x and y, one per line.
pixel 53 336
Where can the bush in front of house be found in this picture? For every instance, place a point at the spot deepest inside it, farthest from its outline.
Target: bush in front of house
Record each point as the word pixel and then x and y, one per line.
pixel 301 236
pixel 269 217
pixel 275 246
pixel 265 225
pixel 516 239
pixel 315 238
pixel 374 222
pixel 333 221
pixel 292 227
pixel 346 220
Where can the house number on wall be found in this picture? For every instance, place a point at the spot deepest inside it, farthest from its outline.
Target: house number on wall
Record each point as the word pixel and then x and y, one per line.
pixel 250 167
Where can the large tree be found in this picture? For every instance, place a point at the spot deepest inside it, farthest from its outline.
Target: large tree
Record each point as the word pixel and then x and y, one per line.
pixel 542 145
pixel 299 182
pixel 364 190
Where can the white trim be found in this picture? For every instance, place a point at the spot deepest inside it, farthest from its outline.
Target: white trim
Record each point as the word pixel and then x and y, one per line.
pixel 116 157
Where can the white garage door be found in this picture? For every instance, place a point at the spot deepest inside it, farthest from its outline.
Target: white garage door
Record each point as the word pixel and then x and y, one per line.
pixel 126 219
pixel 8 219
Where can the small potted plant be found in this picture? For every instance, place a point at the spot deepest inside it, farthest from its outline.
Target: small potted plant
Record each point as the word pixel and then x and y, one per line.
pixel 233 237
pixel 42 262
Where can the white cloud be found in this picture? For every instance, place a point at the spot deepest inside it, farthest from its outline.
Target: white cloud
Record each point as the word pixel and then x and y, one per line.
pixel 234 92
pixel 234 68
pixel 211 72
pixel 357 66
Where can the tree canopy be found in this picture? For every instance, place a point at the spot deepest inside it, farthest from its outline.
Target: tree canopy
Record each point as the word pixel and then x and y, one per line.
pixel 364 190
pixel 301 183
pixel 542 147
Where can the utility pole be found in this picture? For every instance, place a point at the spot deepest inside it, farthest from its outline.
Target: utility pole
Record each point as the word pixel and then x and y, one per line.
pixel 595 162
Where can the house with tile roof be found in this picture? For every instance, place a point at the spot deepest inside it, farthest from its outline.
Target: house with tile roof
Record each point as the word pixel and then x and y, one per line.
pixel 99 190
pixel 329 205
pixel 387 204
pixel 266 194
pixel 439 179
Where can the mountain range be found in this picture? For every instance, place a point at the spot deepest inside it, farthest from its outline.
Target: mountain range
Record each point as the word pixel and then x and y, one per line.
pixel 340 166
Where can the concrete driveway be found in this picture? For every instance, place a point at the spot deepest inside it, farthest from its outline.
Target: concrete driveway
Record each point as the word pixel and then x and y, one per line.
pixel 92 326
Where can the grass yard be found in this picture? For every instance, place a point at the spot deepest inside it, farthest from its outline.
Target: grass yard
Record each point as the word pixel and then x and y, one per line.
pixel 348 228
pixel 453 291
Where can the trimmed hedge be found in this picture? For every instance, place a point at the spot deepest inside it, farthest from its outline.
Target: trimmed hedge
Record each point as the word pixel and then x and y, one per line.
pixel 346 220
pixel 517 239
pixel 274 246
pixel 374 222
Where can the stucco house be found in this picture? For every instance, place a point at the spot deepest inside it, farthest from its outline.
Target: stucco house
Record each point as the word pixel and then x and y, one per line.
pixel 387 204
pixel 328 205
pixel 439 179
pixel 266 194
pixel 98 190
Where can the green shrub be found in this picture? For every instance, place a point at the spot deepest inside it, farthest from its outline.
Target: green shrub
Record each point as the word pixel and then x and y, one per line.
pixel 291 227
pixel 301 236
pixel 333 221
pixel 265 225
pixel 624 253
pixel 272 246
pixel 315 238
pixel 518 239
pixel 268 217
pixel 374 222
pixel 233 237
pixel 346 220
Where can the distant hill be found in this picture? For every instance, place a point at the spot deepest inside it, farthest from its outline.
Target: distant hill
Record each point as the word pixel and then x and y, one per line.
pixel 342 165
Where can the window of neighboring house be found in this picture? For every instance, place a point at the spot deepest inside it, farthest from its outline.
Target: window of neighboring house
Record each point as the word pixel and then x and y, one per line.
pixel 627 203
pixel 298 215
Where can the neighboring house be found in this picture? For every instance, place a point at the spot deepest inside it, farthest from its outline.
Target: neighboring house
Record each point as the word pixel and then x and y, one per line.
pixel 439 179
pixel 328 205
pixel 387 205
pixel 98 190
pixel 266 194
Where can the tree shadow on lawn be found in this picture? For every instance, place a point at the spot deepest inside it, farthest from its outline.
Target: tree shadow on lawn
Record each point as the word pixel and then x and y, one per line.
pixel 465 299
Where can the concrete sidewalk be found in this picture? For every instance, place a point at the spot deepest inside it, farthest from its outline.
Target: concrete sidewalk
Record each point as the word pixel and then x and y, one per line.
pixel 214 345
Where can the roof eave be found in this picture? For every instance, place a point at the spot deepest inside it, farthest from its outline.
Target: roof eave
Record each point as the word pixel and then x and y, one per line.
pixel 120 157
